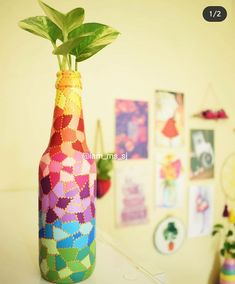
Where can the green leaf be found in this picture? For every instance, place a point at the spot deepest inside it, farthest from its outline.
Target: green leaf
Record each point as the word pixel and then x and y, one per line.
pixel 55 16
pixel 165 234
pixel 214 233
pixel 218 226
pixel 227 246
pixel 42 26
pixel 74 19
pixel 66 47
pixel 222 252
pixel 67 22
pixel 101 36
pixel 230 233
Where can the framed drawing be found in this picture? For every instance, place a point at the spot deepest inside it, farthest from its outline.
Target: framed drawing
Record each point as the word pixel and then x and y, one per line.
pixel 169 119
pixel 200 210
pixel 202 154
pixel 131 129
pixel 169 235
pixel 131 187
pixel 170 179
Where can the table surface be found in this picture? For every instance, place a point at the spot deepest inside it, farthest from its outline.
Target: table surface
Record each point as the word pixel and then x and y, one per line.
pixel 19 248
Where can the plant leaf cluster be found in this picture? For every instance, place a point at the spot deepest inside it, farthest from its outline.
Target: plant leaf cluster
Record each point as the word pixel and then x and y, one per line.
pixel 228 248
pixel 73 40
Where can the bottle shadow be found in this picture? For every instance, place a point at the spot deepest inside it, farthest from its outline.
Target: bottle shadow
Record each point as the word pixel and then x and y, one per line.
pixel 215 271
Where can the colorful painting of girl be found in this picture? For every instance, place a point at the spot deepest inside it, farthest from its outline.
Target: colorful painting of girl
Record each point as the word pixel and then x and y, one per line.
pixel 169 119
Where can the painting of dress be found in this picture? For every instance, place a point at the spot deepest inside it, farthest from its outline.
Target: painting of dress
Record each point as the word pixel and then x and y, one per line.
pixel 202 154
pixel 169 119
pixel 131 129
pixel 170 179
pixel 200 210
pixel 131 186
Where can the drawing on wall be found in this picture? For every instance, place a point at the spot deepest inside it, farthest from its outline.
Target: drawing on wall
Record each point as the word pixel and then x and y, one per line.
pixel 131 188
pixel 170 179
pixel 169 119
pixel 169 235
pixel 200 210
pixel 202 154
pixel 131 129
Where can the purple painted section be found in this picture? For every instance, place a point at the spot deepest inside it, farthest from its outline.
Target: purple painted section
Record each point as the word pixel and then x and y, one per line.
pixel 228 266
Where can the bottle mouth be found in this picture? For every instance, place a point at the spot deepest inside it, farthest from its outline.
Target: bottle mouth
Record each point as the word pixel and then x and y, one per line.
pixel 68 79
pixel 69 73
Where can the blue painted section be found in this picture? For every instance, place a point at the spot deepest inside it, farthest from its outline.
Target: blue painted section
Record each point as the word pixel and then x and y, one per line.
pixel 67 243
pixel 49 231
pixel 81 242
pixel 41 233
pixel 71 227
pixel 69 235
pixel 58 223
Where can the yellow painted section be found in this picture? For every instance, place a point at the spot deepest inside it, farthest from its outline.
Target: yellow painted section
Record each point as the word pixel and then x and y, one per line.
pixel 228 278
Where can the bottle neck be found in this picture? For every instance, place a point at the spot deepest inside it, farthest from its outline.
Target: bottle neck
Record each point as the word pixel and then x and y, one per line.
pixel 68 124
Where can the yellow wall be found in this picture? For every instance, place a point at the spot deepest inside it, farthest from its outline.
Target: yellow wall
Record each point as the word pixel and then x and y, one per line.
pixel 164 45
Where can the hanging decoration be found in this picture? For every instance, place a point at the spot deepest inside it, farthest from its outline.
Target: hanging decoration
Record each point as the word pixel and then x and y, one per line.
pixel 228 183
pixel 216 113
pixel 228 178
pixel 104 164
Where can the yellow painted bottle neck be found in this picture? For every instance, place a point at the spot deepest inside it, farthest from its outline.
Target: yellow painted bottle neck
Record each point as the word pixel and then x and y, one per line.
pixel 68 93
pixel 67 79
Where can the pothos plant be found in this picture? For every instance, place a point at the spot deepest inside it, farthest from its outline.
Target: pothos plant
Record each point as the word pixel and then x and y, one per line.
pixel 72 40
pixel 227 233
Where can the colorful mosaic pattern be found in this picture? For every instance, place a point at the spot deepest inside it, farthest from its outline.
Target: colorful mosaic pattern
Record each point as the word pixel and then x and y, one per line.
pixel 227 275
pixel 67 190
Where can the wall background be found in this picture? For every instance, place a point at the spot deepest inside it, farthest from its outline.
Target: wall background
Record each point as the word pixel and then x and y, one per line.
pixel 164 45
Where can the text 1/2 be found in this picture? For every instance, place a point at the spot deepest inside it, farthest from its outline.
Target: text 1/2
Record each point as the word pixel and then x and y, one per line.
pixel 214 14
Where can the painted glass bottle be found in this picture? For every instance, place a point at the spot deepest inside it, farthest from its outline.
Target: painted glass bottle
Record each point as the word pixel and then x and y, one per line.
pixel 227 273
pixel 67 189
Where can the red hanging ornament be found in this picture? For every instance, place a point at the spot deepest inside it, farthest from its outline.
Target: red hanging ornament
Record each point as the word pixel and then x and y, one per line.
pixel 210 114
pixel 103 187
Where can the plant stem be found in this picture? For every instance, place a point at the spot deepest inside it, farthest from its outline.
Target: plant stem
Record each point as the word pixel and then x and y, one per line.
pixel 64 63
pixel 65 59
pixel 76 65
pixel 58 57
pixel 70 62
